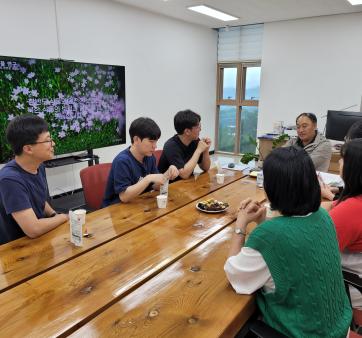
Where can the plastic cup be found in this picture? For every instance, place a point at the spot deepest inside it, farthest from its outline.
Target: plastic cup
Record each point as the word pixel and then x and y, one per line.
pixel 162 201
pixel 220 178
pixel 80 215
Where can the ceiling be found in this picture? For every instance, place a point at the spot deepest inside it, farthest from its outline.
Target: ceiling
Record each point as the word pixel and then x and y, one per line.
pixel 249 11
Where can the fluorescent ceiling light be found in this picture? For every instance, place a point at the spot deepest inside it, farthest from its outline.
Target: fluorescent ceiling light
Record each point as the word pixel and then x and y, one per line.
pixel 212 12
pixel 355 2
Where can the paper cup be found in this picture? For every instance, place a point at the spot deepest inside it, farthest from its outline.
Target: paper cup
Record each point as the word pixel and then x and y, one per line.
pixel 220 178
pixel 162 201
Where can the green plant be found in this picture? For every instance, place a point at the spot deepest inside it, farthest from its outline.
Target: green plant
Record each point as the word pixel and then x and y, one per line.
pixel 247 157
pixel 280 140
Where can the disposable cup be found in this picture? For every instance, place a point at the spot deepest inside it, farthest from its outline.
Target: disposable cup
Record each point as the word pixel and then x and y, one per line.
pixel 220 178
pixel 162 201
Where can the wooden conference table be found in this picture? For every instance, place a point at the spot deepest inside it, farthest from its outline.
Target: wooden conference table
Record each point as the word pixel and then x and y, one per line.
pixel 144 272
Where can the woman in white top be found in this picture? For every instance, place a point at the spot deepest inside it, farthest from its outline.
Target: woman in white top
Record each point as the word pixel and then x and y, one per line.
pixel 292 260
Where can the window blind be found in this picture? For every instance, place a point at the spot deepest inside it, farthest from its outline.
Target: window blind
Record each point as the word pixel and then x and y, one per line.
pixel 241 43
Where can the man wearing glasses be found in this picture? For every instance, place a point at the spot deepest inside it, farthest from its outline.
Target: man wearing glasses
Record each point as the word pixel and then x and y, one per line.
pixel 24 209
pixel 185 149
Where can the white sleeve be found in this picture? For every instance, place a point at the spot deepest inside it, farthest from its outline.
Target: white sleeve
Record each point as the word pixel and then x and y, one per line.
pixel 248 272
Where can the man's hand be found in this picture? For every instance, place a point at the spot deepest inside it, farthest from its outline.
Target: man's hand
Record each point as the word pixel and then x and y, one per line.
pixel 171 173
pixel 202 146
pixel 157 179
pixel 207 140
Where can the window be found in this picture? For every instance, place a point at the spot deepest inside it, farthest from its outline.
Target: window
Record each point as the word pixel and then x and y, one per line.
pixel 237 106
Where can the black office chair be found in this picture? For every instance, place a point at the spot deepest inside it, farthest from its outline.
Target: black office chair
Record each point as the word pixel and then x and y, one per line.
pixel 263 330
pixel 354 280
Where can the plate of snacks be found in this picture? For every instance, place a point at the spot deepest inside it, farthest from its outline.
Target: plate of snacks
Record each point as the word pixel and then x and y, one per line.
pixel 212 206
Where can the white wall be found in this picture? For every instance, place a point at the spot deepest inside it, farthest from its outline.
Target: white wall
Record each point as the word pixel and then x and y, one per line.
pixel 170 64
pixel 310 65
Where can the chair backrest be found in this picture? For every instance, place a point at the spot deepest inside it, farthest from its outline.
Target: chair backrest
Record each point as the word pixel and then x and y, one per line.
pixel 94 180
pixel 354 280
pixel 158 154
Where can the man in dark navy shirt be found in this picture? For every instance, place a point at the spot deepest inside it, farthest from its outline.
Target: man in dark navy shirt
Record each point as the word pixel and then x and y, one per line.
pixel 185 150
pixel 134 169
pixel 24 209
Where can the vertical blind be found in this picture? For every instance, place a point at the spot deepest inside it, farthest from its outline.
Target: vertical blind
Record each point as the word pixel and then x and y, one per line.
pixel 241 43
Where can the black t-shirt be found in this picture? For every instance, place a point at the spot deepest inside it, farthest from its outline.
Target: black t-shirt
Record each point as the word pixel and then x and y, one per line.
pixel 176 153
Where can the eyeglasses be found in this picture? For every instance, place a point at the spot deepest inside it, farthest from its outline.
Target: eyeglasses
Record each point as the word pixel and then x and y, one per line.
pixel 47 141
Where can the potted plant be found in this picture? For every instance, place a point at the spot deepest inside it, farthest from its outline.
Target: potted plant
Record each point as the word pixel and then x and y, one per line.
pixel 247 157
pixel 280 140
pixel 277 142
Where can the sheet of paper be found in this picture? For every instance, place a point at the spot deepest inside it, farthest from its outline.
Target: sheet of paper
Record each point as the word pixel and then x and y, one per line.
pixel 331 179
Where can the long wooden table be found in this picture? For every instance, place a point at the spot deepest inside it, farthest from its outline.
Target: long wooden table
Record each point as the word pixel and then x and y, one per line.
pixel 23 259
pixel 191 298
pixel 59 299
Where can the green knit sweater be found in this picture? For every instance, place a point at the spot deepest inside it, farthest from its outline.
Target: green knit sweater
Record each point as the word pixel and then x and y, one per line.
pixel 303 258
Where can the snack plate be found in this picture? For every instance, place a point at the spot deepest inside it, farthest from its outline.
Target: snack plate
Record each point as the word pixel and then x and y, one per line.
pixel 210 211
pixel 253 174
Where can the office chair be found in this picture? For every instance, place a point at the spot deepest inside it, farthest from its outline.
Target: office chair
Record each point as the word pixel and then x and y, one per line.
pixel 354 280
pixel 158 154
pixel 263 330
pixel 94 180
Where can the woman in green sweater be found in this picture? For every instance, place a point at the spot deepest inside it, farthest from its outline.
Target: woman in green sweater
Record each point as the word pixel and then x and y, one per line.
pixel 292 260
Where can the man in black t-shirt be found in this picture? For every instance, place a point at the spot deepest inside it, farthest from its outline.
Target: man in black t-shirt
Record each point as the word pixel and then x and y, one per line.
pixel 185 150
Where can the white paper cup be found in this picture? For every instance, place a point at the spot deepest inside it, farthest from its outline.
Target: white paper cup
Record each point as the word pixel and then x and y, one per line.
pixel 220 178
pixel 162 201
pixel 80 215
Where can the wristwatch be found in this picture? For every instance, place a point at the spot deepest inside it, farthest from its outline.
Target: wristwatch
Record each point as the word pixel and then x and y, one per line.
pixel 240 232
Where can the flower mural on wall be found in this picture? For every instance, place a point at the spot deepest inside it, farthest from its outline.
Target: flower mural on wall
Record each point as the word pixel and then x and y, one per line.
pixel 84 104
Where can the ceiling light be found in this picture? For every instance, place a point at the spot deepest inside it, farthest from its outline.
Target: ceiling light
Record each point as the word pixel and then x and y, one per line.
pixel 212 12
pixel 355 2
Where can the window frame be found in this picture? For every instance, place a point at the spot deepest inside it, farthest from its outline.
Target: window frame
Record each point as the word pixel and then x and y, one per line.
pixel 239 101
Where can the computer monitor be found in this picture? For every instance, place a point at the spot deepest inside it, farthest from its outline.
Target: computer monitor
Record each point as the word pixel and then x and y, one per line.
pixel 338 123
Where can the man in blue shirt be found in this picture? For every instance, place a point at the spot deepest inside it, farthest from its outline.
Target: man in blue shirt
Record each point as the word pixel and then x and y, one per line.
pixel 24 209
pixel 134 169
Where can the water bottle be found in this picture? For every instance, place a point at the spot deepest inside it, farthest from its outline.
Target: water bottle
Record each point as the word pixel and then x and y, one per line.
pixel 260 179
pixel 164 188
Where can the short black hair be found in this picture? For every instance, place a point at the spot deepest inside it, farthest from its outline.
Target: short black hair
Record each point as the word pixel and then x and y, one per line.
pixel 351 153
pixel 186 119
pixel 24 129
pixel 355 131
pixel 290 182
pixel 144 127
pixel 311 116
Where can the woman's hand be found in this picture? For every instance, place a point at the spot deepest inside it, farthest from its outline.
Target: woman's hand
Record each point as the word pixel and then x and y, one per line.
pixel 250 211
pixel 326 191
